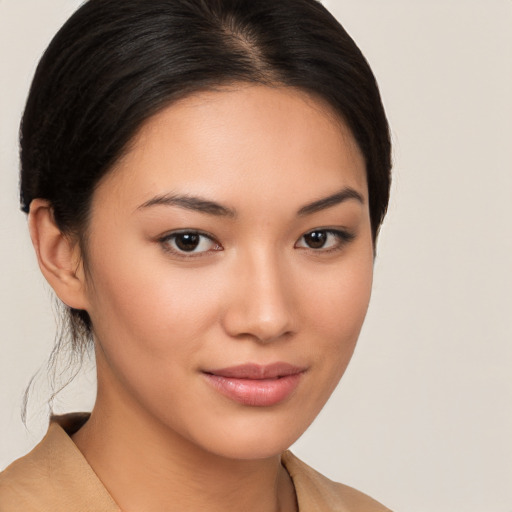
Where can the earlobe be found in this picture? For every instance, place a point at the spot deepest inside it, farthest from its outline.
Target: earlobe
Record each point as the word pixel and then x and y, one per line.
pixel 58 256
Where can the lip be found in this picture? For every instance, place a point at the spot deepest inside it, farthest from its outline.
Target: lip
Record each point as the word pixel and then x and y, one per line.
pixel 256 385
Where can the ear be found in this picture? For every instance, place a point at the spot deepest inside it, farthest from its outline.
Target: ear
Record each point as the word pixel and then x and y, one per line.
pixel 58 255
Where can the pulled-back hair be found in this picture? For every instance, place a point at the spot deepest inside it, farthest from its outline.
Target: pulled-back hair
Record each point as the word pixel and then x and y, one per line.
pixel 115 63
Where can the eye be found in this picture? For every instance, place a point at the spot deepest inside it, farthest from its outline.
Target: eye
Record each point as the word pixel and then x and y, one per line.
pixel 324 239
pixel 189 242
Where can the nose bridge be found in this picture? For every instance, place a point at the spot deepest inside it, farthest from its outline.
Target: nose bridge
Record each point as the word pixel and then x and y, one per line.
pixel 261 307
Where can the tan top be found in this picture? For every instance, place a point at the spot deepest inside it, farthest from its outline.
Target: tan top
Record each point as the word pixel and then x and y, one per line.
pixel 55 477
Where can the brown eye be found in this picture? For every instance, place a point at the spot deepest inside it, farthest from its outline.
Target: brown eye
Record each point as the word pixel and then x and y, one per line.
pixel 316 239
pixel 187 241
pixel 325 240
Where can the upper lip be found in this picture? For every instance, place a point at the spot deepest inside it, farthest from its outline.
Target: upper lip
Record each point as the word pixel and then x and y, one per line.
pixel 257 371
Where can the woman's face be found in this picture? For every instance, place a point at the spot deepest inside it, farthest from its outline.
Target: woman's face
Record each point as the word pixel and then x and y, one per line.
pixel 229 268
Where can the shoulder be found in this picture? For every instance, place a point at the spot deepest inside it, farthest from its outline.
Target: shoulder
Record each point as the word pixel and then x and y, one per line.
pixel 53 476
pixel 316 492
pixel 25 484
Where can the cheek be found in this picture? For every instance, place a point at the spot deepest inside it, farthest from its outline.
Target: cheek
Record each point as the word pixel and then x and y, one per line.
pixel 340 298
pixel 152 324
pixel 337 305
pixel 153 310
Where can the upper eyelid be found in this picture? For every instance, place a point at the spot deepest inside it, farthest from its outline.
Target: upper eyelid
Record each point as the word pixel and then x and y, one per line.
pixel 339 232
pixel 176 232
pixel 328 229
pixel 332 231
pixel 335 231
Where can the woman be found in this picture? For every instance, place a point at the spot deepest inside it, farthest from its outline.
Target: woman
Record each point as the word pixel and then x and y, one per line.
pixel 205 181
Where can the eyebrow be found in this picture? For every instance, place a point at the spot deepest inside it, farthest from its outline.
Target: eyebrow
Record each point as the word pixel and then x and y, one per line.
pixel 197 204
pixel 202 205
pixel 332 200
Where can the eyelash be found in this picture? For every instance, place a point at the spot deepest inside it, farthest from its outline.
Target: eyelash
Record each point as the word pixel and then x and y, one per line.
pixel 166 240
pixel 343 238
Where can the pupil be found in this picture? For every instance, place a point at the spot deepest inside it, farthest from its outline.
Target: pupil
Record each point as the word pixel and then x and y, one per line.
pixel 316 239
pixel 187 241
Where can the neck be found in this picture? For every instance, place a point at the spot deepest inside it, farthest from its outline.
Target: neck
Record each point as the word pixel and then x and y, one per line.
pixel 146 466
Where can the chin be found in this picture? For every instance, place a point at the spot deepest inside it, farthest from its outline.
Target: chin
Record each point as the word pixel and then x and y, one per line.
pixel 252 447
pixel 253 437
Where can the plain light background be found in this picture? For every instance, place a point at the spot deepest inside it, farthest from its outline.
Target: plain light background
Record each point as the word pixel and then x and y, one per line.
pixel 422 419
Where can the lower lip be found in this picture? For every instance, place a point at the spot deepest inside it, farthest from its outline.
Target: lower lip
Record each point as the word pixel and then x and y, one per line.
pixel 255 392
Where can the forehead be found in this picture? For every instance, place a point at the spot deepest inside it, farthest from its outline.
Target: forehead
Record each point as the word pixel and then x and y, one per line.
pixel 249 138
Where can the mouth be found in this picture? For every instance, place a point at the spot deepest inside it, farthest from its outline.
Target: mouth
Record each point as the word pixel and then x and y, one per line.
pixel 256 385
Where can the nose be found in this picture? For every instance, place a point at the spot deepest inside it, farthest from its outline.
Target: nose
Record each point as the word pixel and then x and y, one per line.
pixel 261 300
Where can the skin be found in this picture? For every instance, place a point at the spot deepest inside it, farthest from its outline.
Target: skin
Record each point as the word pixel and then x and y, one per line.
pixel 254 292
